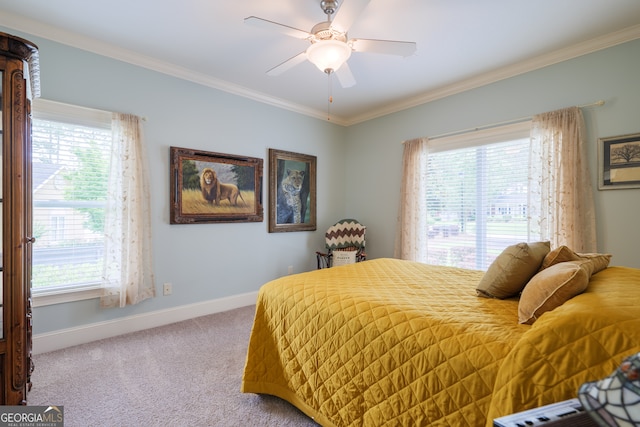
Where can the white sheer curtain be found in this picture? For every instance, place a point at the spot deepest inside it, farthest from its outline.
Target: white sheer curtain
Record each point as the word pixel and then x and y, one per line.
pixel 561 207
pixel 411 233
pixel 128 276
pixel 561 199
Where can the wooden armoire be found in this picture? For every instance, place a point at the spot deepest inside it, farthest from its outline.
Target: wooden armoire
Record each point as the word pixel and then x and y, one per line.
pixel 19 77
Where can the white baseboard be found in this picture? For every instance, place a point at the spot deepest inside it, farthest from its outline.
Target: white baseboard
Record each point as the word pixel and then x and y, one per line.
pixel 50 341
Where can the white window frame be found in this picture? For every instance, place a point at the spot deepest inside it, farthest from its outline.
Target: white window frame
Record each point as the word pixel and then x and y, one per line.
pixel 480 137
pixel 55 111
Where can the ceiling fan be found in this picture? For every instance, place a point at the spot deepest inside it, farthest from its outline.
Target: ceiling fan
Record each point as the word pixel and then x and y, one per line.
pixel 330 47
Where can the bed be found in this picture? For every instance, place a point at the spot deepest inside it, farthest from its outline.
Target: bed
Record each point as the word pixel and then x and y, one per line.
pixel 399 343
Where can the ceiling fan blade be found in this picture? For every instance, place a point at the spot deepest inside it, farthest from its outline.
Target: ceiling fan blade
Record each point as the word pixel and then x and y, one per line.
pixel 347 13
pixel 288 64
pixel 270 25
pixel 387 47
pixel 345 77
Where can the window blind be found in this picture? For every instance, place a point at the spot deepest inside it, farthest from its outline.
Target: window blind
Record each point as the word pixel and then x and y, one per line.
pixel 70 174
pixel 477 198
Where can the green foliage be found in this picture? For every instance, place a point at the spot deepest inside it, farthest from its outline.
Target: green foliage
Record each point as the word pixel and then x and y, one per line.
pixel 46 276
pixel 89 183
pixel 245 177
pixel 190 176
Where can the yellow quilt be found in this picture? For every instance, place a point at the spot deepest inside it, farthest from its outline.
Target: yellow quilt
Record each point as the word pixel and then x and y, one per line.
pixel 397 343
pixel 585 339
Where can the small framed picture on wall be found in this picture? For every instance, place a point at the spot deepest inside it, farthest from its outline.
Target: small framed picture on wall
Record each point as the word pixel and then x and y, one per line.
pixel 619 162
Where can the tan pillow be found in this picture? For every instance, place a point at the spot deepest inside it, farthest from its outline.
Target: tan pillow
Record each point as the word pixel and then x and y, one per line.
pixel 558 255
pixel 564 254
pixel 512 269
pixel 552 287
pixel 599 261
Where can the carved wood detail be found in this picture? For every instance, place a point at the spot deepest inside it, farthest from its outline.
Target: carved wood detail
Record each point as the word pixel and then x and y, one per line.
pixel 16 56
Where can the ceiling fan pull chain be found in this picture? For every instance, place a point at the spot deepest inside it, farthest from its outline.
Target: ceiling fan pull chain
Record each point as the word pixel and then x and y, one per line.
pixel 330 98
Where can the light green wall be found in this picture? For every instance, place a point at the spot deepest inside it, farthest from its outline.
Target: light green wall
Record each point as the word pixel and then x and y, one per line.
pixel 613 75
pixel 205 261
pixel 211 261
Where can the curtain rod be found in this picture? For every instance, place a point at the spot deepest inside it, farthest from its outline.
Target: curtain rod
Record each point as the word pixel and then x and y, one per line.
pixel 506 122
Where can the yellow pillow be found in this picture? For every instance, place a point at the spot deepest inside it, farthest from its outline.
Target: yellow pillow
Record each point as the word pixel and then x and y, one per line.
pixel 552 287
pixel 512 269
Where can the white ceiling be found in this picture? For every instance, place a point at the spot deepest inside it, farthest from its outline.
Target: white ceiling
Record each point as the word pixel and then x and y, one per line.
pixel 460 43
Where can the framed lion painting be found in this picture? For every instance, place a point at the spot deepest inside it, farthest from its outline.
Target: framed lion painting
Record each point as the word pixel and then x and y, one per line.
pixel 213 187
pixel 292 191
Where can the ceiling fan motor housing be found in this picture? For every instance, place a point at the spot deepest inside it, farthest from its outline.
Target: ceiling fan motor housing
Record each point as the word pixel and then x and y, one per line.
pixel 323 31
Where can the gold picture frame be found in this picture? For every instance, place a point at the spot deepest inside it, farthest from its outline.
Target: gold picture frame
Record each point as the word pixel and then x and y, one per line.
pixel 209 187
pixel 292 191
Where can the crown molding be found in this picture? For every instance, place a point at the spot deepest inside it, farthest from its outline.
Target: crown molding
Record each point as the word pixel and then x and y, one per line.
pixel 584 48
pixel 68 38
pixel 59 35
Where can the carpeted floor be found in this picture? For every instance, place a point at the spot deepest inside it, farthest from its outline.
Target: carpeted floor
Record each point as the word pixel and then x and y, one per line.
pixel 184 374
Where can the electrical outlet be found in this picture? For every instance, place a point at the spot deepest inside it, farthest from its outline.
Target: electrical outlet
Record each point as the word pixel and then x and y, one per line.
pixel 291 269
pixel 167 289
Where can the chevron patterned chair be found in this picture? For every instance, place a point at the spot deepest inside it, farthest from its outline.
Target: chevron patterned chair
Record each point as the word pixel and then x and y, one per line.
pixel 346 235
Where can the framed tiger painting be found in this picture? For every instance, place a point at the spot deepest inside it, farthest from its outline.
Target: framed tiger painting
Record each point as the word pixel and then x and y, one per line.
pixel 292 191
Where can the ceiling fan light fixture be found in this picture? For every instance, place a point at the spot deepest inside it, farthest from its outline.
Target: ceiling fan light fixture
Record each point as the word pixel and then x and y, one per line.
pixel 328 55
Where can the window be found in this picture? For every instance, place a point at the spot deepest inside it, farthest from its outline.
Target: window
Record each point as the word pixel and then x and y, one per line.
pixel 71 147
pixel 477 196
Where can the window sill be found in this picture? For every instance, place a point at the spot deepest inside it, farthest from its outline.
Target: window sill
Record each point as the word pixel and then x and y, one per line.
pixel 41 299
